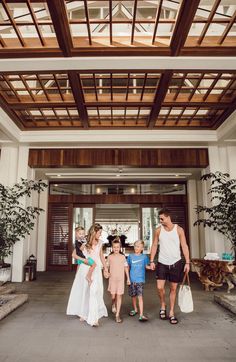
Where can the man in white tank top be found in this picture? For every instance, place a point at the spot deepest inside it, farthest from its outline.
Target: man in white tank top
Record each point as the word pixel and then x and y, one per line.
pixel 170 238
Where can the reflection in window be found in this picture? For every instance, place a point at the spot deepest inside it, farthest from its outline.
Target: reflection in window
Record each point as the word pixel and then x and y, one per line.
pixel 118 189
pixel 150 222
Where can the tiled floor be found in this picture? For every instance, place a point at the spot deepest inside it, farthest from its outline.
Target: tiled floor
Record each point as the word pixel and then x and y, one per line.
pixel 40 331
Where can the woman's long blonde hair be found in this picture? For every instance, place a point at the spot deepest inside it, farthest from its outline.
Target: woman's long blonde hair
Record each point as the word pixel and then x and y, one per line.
pixel 91 234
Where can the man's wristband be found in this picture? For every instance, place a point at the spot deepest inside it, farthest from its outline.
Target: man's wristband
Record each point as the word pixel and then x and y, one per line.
pixel 187 263
pixel 152 261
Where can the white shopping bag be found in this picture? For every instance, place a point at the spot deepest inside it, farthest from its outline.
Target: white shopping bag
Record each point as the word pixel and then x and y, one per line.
pixel 185 299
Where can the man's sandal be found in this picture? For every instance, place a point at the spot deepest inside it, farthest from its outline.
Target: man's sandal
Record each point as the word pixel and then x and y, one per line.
pixel 142 318
pixel 162 314
pixel 173 320
pixel 132 313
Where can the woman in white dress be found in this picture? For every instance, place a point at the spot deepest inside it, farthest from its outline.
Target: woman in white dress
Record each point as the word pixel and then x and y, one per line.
pixel 86 301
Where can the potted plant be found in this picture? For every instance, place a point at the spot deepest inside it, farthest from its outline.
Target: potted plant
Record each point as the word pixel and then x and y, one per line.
pixel 16 219
pixel 221 216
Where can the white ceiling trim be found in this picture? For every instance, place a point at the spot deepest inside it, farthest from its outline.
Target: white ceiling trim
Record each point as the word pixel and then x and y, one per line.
pixel 119 63
pixel 93 138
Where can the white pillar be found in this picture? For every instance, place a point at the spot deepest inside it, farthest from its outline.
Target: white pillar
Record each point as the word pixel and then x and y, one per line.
pixel 218 161
pixel 8 171
pixel 34 201
pixel 8 165
pixel 192 216
pixel 20 249
pixel 42 231
pixel 201 230
pixel 231 153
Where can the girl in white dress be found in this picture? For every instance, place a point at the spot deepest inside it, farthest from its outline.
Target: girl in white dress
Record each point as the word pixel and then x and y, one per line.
pixel 86 301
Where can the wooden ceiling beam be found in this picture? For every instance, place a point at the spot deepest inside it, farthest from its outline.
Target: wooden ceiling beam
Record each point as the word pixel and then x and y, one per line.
pixel 61 25
pixel 66 104
pixel 157 20
pixel 28 105
pixel 30 53
pixel 119 104
pixel 214 105
pixel 77 91
pixel 183 25
pixel 215 51
pixel 189 51
pixel 219 120
pixel 159 97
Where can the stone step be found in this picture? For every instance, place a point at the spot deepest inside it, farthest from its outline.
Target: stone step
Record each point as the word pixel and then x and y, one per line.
pixel 7 289
pixel 227 301
pixel 9 302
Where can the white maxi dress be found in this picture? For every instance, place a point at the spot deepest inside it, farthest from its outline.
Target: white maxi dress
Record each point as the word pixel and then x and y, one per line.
pixel 87 301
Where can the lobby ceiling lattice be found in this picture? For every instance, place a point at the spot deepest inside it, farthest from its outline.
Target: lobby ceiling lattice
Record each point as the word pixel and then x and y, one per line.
pixel 118 98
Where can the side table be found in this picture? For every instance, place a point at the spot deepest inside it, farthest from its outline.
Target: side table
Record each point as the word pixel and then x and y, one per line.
pixel 214 273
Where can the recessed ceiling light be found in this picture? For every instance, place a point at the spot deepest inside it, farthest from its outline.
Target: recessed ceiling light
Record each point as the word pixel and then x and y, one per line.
pixel 58 175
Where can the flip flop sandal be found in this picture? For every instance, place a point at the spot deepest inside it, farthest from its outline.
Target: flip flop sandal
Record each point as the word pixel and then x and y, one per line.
pixel 162 314
pixel 173 320
pixel 142 318
pixel 132 313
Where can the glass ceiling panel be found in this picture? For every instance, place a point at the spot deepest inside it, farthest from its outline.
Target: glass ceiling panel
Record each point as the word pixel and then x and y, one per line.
pixel 26 24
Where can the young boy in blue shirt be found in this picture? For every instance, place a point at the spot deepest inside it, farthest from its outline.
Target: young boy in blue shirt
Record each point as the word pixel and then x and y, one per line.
pixel 138 263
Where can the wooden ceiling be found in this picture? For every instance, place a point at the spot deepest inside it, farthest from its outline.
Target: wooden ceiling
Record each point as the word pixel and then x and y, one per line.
pixel 143 99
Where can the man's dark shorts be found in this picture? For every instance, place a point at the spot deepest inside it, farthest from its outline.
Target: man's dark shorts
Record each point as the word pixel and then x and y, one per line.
pixel 136 289
pixel 173 273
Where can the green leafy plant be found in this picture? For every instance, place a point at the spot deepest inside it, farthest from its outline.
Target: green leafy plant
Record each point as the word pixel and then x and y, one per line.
pixel 16 219
pixel 221 216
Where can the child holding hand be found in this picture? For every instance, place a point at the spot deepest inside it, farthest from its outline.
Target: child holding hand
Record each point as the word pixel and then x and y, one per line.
pixel 117 268
pixel 79 255
pixel 138 263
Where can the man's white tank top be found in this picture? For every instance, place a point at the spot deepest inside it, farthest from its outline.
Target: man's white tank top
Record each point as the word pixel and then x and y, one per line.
pixel 169 250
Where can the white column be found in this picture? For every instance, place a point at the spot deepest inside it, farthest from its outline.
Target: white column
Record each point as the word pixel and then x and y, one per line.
pixel 231 153
pixel 231 156
pixel 34 201
pixel 203 235
pixel 8 171
pixel 42 231
pixel 218 161
pixel 20 249
pixel 8 165
pixel 192 216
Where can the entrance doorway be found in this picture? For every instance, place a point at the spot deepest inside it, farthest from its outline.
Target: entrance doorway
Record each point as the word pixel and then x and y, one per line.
pixel 132 215
pixel 122 220
pixel 130 222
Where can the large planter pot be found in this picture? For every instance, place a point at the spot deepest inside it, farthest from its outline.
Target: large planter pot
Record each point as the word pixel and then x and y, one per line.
pixel 5 274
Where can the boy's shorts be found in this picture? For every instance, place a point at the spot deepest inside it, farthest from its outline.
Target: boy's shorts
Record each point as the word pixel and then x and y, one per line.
pixel 136 289
pixel 90 261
